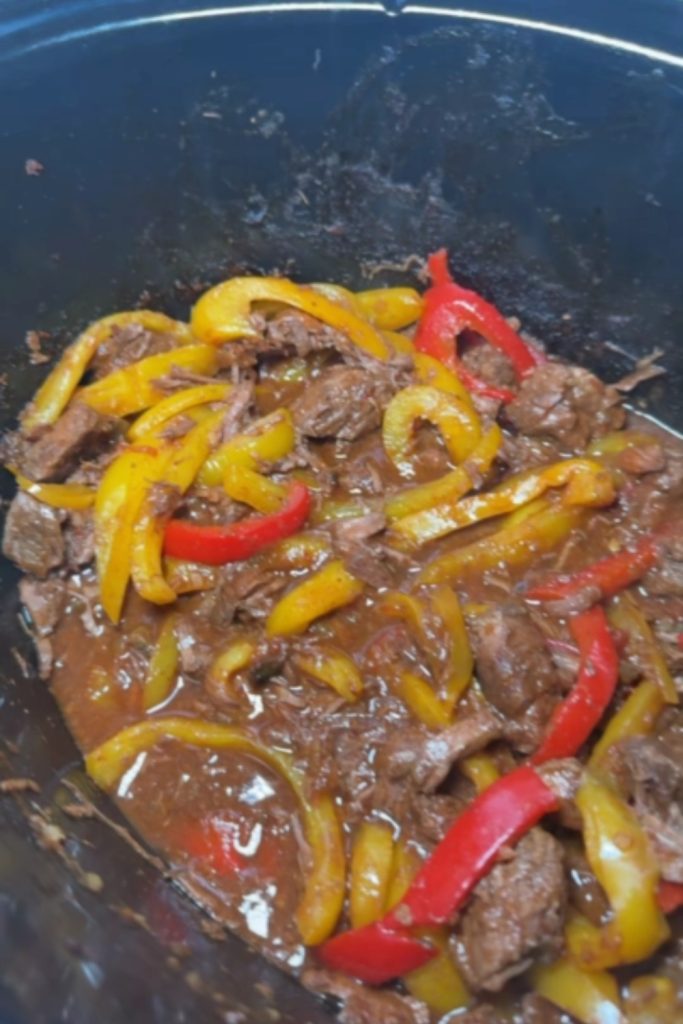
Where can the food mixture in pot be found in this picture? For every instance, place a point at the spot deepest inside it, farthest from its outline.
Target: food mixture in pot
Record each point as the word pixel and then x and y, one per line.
pixel 368 613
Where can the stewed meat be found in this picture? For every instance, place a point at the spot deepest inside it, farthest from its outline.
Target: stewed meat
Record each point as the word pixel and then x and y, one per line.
pixel 344 402
pixel 128 344
pixel 33 535
pixel 79 434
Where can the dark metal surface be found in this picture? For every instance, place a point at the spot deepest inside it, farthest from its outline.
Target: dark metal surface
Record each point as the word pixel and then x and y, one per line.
pixel 323 144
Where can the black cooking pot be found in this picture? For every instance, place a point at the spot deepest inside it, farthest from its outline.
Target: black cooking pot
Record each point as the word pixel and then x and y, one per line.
pixel 176 144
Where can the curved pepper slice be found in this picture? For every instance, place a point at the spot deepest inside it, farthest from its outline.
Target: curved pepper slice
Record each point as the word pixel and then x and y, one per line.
pixel 436 375
pixel 54 393
pixel 586 482
pixel 267 440
pixel 512 545
pixel 330 588
pixel 163 666
pixel 251 488
pixel 481 770
pixel 302 551
pixel 135 387
pixel 624 864
pixel 75 496
pixel 637 716
pixel 418 695
pixel 625 614
pixel 606 577
pixel 156 418
pixel 323 895
pixel 497 817
pixel 578 714
pixel 223 313
pixel 593 998
pixel 216 545
pixel 459 426
pixel 333 667
pixel 228 663
pixel 371 866
pixel 390 309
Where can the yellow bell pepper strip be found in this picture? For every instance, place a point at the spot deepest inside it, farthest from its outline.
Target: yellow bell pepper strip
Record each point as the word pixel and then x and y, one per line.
pixel 574 718
pixel 228 663
pixel 223 313
pixel 323 899
pixel 54 393
pixel 417 694
pixel 332 509
pixel 438 983
pixel 510 546
pixel 390 309
pixel 302 551
pixel 653 999
pixel 624 864
pixel 156 418
pixel 481 770
pixel 433 373
pixel 636 717
pixel 74 496
pixel 179 464
pixel 330 588
pixel 371 864
pixel 163 666
pixel 401 345
pixel 595 489
pixel 135 387
pixel 323 896
pixel 461 659
pixel 117 505
pixel 188 577
pixel 251 488
pixel 459 426
pixel 624 613
pixel 592 998
pixel 267 440
pixel 453 485
pixel 333 667
pixel 526 511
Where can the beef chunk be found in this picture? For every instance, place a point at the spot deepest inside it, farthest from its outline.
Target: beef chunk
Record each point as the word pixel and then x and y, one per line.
pixel 516 914
pixel 361 475
pixel 44 601
pixel 126 345
pixel 79 433
pixel 79 537
pixel 537 1010
pixel 516 672
pixel 343 402
pixel 653 772
pixel 564 778
pixel 300 333
pixel 666 578
pixel 351 539
pixel 567 403
pixel 361 1005
pixel 484 1013
pixel 33 535
pixel 489 364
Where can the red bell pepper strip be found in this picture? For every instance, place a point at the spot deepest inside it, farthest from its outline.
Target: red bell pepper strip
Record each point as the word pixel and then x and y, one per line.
pixel 499 816
pixel 375 953
pixel 575 718
pixel 607 576
pixel 216 545
pixel 670 896
pixel 451 309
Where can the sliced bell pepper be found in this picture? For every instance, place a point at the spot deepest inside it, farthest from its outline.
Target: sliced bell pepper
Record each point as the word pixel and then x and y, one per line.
pixel 327 589
pixel 636 717
pixel 400 343
pixel 188 577
pixel 323 896
pixel 332 509
pixel 177 468
pixel 459 426
pixel 268 439
pixel 234 542
pixel 228 663
pixel 624 864
pixel 54 393
pixel 419 696
pixel 251 488
pixel 74 496
pixel 223 313
pixel 453 485
pixel 578 714
pixel 431 372
pixel 135 387
pixel 301 551
pixel 390 309
pixel 595 488
pixel 653 999
pixel 592 998
pixel 371 864
pixel 625 614
pixel 510 546
pixel 481 770
pixel 607 576
pixel 669 896
pixel 163 666
pixel 451 309
pixel 498 817
pixel 160 415
pixel 333 667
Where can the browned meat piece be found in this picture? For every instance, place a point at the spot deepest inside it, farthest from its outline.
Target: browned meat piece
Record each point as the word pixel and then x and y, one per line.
pixel 482 1014
pixel 567 403
pixel 79 538
pixel 361 475
pixel 652 769
pixel 516 672
pixel 361 1005
pixel 33 535
pixel 537 1010
pixel 515 915
pixel 300 333
pixel 79 433
pixel 125 345
pixel 564 778
pixel 44 600
pixel 489 364
pixel 352 542
pixel 642 458
pixel 343 402
pixel 585 892
pixel 434 814
pixel 424 759
pixel 238 405
pixel 667 577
